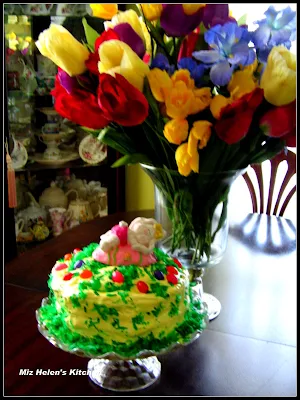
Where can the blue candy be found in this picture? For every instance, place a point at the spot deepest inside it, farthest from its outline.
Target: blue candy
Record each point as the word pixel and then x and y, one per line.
pixel 78 264
pixel 159 275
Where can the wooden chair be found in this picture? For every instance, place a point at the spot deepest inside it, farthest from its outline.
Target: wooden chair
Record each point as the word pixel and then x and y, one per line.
pixel 258 197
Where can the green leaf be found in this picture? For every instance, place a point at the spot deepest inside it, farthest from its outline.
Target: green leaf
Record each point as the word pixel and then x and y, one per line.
pixel 90 34
pixel 129 159
pixel 151 100
pixel 202 28
pixel 242 20
pixel 94 132
pixel 117 140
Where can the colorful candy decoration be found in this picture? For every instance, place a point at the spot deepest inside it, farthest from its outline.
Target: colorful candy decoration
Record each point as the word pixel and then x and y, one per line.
pixel 86 274
pixel 172 270
pixel 78 264
pixel 60 267
pixel 171 278
pixel 159 275
pixel 142 287
pixel 177 262
pixel 117 277
pixel 68 257
pixel 77 250
pixel 68 277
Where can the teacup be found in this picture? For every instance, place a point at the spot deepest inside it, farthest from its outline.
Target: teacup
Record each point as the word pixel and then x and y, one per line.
pixel 60 218
pixel 51 127
pixel 52 152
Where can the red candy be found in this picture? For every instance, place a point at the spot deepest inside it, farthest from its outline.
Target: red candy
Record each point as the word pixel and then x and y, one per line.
pixel 171 278
pixel 67 277
pixel 177 262
pixel 75 251
pixel 86 274
pixel 68 257
pixel 60 267
pixel 117 277
pixel 172 270
pixel 142 287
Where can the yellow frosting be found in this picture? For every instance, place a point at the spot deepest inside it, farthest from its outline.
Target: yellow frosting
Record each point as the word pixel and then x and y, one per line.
pixel 123 315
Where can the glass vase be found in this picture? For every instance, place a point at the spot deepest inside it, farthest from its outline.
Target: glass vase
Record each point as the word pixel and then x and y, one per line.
pixel 193 211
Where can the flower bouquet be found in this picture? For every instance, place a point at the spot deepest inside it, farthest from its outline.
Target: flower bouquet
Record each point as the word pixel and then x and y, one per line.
pixel 186 91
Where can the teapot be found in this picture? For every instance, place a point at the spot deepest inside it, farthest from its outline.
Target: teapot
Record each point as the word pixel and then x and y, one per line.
pixel 19 225
pixel 40 231
pixel 79 185
pixel 80 211
pixel 53 197
pixel 32 213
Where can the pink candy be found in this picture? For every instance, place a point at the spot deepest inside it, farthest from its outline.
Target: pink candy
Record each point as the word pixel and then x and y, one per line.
pixel 121 232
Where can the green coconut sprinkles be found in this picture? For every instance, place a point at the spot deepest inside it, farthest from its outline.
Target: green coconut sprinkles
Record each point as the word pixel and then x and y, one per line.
pixel 194 320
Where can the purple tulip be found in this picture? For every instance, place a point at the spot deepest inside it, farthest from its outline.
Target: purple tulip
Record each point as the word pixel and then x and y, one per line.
pixel 67 82
pixel 176 23
pixel 216 14
pixel 128 35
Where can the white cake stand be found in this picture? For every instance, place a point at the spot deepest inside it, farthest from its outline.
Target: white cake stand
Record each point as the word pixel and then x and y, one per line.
pixel 114 372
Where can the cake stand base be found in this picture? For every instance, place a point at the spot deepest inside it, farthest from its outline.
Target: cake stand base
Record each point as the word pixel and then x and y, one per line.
pixel 124 375
pixel 213 305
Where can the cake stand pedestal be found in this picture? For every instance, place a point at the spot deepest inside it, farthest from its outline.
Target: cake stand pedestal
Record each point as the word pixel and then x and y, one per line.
pixel 113 371
pixel 124 375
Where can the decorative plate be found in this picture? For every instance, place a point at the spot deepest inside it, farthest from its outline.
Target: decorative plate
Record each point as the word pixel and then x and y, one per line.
pixel 66 157
pixel 19 155
pixel 91 150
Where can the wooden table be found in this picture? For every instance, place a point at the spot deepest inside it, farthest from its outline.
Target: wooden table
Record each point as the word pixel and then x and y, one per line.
pixel 248 350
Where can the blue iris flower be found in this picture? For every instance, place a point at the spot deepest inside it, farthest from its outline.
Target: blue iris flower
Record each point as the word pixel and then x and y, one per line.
pixel 278 28
pixel 229 49
pixel 160 61
pixel 196 70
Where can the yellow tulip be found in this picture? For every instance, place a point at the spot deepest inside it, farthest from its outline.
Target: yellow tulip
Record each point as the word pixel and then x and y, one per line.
pixel 152 11
pixel 199 135
pixel 190 9
pixel 118 57
pixel 241 83
pixel 176 130
pixel 279 77
pixel 104 11
pixel 160 84
pixel 179 101
pixel 57 44
pixel 184 76
pixel 217 103
pixel 186 163
pixel 202 99
pixel 130 17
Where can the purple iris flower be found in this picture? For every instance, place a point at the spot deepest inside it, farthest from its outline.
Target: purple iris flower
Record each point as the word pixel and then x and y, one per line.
pixel 216 14
pixel 160 61
pixel 128 35
pixel 176 23
pixel 278 28
pixel 229 49
pixel 196 71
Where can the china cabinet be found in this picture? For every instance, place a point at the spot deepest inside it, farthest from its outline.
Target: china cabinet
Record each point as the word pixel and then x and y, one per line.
pixel 48 152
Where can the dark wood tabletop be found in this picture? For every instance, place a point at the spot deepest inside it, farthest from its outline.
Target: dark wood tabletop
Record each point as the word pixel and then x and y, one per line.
pixel 248 350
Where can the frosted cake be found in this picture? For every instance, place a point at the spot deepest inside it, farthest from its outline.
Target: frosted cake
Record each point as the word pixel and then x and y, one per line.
pixel 122 295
